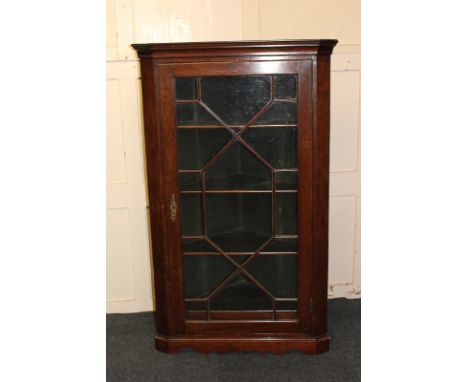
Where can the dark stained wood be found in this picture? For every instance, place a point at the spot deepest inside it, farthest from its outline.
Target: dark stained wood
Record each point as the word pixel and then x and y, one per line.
pixel 150 90
pixel 221 344
pixel 242 326
pixel 268 45
pixel 320 175
pixel 305 329
pixel 235 50
pixel 240 315
pixel 304 197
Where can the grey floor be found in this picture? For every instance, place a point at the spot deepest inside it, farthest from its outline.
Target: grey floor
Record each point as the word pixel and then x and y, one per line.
pixel 131 355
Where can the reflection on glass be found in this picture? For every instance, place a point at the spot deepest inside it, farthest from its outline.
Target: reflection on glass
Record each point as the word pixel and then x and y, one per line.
pixel 190 214
pixel 197 245
pixel 280 113
pixel 202 274
pixel 189 181
pixel 236 99
pixel 195 147
pixel 228 173
pixel 192 114
pixel 286 180
pixel 240 294
pixel 277 145
pixel 282 245
pixel 277 273
pixel 285 87
pixel 286 214
pixel 238 222
pixel 238 169
pixel 185 89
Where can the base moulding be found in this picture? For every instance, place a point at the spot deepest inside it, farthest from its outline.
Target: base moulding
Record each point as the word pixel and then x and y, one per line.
pixel 275 345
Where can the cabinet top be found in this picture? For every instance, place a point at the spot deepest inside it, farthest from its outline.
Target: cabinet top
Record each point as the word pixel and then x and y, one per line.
pixel 323 46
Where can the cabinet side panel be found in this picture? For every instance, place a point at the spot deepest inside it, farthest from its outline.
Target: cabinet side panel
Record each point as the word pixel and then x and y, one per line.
pixel 321 137
pixel 154 169
pixel 305 202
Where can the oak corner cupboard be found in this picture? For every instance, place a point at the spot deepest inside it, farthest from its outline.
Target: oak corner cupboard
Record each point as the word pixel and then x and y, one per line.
pixel 237 153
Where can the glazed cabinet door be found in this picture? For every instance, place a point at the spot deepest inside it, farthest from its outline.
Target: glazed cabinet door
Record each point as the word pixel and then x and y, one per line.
pixel 239 195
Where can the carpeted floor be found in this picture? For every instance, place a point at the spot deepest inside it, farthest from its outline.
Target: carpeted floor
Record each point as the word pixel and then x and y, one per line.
pixel 131 355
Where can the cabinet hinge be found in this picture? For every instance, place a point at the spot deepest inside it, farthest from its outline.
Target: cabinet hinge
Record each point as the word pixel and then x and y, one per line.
pixel 311 306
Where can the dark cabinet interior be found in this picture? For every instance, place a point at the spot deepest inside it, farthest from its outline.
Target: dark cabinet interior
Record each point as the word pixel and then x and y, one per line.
pixel 237 165
pixel 235 136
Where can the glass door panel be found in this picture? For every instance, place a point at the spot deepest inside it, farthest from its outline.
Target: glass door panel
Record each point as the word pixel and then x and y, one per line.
pixel 237 169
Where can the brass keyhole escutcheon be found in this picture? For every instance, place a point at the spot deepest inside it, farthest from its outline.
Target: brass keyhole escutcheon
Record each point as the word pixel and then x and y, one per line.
pixel 173 208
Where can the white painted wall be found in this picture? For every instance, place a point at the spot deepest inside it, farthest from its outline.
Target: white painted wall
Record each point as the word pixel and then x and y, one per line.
pixel 129 285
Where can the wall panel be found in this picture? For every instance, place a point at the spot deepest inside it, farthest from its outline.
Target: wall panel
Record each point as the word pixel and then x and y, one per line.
pixel 344 120
pixel 115 160
pixel 119 267
pixel 186 20
pixel 129 287
pixel 342 235
pixel 345 174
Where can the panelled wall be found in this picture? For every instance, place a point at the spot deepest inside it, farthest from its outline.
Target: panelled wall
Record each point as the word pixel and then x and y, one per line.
pixel 129 285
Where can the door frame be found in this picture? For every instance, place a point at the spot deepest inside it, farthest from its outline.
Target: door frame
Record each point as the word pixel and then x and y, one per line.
pixel 173 269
